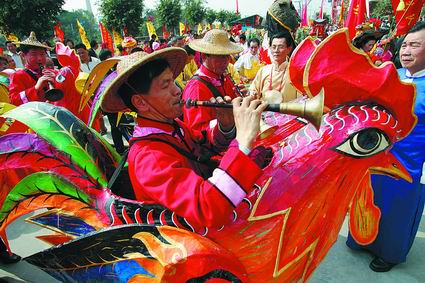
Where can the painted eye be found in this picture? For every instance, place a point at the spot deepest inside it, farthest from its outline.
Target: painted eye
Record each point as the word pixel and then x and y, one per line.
pixel 364 143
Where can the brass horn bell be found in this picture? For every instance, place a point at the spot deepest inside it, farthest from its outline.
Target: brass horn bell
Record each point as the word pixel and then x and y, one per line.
pixel 311 110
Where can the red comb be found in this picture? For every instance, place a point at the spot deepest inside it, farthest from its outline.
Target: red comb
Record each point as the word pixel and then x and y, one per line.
pixel 347 74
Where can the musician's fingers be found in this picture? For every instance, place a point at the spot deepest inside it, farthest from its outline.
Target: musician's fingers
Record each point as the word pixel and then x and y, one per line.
pixel 219 100
pixel 262 107
pixel 213 100
pixel 254 104
pixel 246 101
pixel 237 102
pixel 227 99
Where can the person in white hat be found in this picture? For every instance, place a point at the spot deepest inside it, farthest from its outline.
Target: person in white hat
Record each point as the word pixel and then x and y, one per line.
pixel 211 79
pixel 167 161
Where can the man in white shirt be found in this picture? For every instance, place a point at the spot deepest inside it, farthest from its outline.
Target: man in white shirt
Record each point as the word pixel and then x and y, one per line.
pixel 11 47
pixel 87 62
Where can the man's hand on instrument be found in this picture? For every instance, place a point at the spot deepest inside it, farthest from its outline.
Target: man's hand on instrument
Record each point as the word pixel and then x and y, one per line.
pixel 224 116
pixel 247 112
pixel 242 89
pixel 48 76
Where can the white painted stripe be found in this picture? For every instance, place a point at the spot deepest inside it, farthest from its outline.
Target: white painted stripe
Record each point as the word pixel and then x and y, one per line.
pixel 23 96
pixel 227 186
pixel 213 123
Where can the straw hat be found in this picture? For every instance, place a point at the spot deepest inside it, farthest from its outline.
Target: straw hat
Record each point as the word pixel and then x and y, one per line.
pixel 111 101
pixel 32 41
pixel 215 42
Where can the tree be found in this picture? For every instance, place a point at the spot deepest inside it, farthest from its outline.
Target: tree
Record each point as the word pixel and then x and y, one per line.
pixel 382 8
pixel 87 20
pixel 120 14
pixel 168 13
pixel 225 16
pixel 194 11
pixel 210 15
pixel 21 17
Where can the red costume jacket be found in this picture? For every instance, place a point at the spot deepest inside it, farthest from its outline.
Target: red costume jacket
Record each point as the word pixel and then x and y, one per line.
pixel 161 174
pixel 205 118
pixel 22 90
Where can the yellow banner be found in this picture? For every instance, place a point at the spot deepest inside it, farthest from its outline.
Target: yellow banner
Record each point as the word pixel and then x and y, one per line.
pixel 182 27
pixel 117 37
pixel 151 28
pixel 83 35
pixel 12 37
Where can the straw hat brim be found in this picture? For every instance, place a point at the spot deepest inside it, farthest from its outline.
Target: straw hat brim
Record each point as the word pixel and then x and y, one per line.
pixel 223 49
pixel 112 102
pixel 35 44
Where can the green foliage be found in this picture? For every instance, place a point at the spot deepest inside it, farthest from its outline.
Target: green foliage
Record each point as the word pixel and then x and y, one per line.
pixel 21 17
pixel 120 14
pixel 168 13
pixel 225 16
pixel 210 15
pixel 382 8
pixel 87 20
pixel 194 11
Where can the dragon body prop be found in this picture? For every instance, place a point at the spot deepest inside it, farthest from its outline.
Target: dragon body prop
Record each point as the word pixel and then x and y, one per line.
pixel 279 233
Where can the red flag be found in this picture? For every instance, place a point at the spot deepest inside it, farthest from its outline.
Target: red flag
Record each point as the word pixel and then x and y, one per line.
pixel 165 33
pixel 304 19
pixel 106 37
pixel 406 13
pixel 59 32
pixel 356 16
pixel 341 15
pixel 321 10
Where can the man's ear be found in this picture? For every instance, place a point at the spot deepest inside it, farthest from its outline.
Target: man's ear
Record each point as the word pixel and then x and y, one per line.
pixel 139 102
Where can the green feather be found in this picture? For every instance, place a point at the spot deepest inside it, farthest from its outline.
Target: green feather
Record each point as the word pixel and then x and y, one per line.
pixel 64 131
pixel 40 184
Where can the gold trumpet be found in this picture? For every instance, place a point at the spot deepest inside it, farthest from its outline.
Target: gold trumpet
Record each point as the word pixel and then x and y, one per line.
pixel 311 110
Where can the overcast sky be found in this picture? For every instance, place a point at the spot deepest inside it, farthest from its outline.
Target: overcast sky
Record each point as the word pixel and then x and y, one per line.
pixel 246 7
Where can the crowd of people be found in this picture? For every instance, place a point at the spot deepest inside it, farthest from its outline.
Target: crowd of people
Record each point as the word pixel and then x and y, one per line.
pixel 152 78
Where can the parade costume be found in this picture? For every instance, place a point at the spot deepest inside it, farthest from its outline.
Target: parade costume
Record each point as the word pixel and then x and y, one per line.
pixel 184 185
pixel 401 203
pixel 206 84
pixel 22 82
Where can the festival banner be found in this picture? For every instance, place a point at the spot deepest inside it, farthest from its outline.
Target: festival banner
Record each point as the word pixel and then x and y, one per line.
pixel 321 10
pixel 117 37
pixel 59 32
pixel 12 37
pixel 182 28
pixel 304 15
pixel 341 15
pixel 151 28
pixel 83 35
pixel 356 16
pixel 106 37
pixel 406 13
